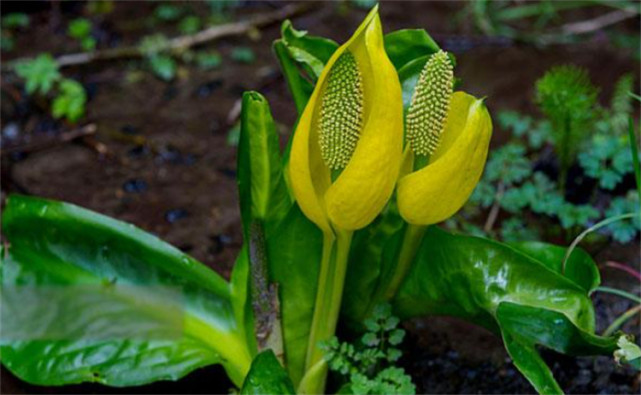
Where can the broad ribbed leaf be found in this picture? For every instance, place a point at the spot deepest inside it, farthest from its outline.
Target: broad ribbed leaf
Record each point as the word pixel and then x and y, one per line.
pixel 496 286
pixel 89 298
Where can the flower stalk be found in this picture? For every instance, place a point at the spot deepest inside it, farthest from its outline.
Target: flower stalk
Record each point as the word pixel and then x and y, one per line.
pixel 327 308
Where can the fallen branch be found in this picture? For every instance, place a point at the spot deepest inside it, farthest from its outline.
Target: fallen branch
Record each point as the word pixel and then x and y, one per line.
pixel 182 42
pixel 598 23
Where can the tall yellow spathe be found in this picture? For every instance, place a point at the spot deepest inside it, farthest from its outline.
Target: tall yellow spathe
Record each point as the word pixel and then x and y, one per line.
pixel 437 191
pixel 351 193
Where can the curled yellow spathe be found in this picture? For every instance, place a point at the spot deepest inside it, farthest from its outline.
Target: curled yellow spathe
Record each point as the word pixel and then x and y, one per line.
pixel 438 190
pixel 367 181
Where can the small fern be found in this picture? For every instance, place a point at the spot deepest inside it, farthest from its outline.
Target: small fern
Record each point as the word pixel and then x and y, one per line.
pixel 365 364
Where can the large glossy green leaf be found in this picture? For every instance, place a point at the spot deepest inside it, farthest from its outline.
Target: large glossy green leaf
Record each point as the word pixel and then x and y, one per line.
pixel 525 299
pixel 89 298
pixel 267 377
pixel 294 254
pixel 580 268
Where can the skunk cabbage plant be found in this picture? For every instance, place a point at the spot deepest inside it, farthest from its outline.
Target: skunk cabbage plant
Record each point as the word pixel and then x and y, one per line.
pixel 343 219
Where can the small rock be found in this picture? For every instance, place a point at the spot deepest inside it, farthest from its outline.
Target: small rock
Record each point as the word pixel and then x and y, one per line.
pixel 129 129
pixel 174 215
pixel 138 151
pixel 135 186
pixel 11 131
pixel 229 173
pixel 208 88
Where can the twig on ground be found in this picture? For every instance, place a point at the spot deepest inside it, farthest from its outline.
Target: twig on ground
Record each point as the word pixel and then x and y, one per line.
pixel 598 23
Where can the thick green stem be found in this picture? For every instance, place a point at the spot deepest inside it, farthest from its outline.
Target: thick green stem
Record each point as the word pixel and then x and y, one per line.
pixel 327 308
pixel 411 242
pixel 320 306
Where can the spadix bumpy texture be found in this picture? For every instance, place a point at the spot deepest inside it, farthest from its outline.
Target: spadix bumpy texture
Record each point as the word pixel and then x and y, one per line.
pixel 430 104
pixel 348 145
pixel 341 117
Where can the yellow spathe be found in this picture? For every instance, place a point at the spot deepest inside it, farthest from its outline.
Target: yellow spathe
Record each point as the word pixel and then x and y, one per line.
pixel 366 183
pixel 437 191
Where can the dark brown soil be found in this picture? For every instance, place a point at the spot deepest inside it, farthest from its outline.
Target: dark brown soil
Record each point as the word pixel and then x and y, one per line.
pixel 160 159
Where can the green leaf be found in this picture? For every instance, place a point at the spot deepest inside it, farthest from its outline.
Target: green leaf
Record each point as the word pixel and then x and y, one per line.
pixel 515 229
pixel 267 376
pixel 164 67
pixel 525 299
pixel 168 12
pixel 70 102
pixel 624 231
pixel 88 43
pixel 7 43
pixel 300 88
pixel 15 19
pixel 580 267
pixel 243 55
pixel 370 339
pixel 554 329
pixel 98 300
pixel 508 164
pixel 208 60
pixel 396 337
pixel 294 255
pixel 302 58
pixel 39 73
pixel 530 363
pixel 79 28
pixel 262 190
pixel 404 46
pixel 189 24
pixel 241 300
pixel 309 52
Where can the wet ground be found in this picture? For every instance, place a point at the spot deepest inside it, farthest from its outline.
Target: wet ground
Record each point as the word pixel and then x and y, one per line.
pixel 160 158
